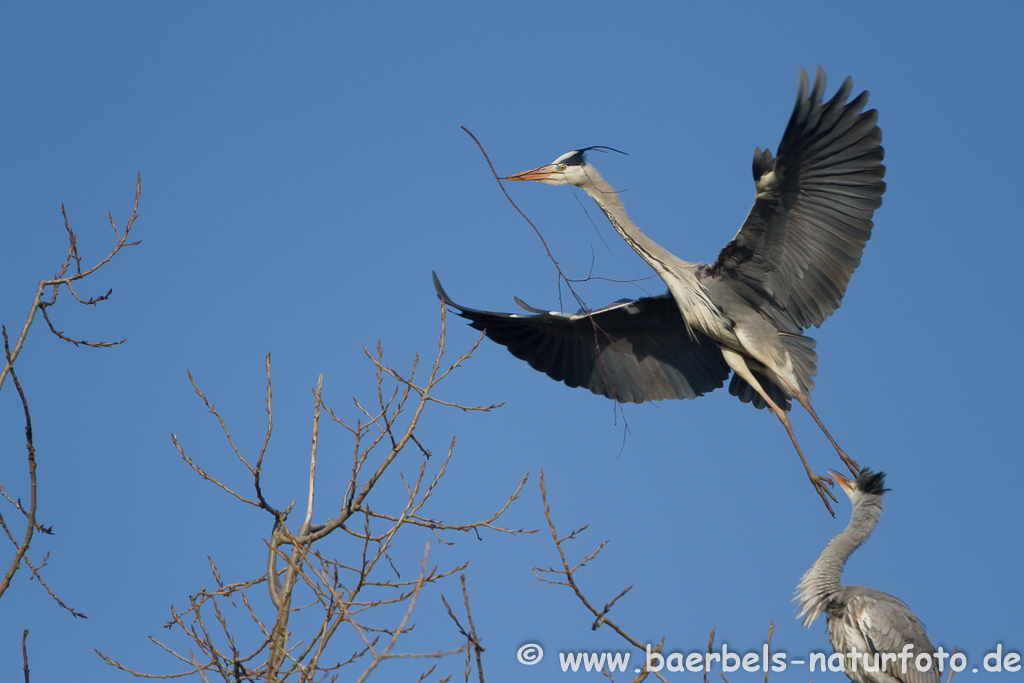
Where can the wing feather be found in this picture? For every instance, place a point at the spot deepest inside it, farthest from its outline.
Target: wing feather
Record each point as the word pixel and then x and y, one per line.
pixel 877 622
pixel 812 216
pixel 631 351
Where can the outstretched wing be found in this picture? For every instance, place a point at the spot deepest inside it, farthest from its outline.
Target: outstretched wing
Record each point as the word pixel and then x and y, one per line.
pixel 812 214
pixel 630 351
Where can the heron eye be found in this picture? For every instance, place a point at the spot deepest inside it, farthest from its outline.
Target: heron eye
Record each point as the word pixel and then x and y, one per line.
pixel 562 167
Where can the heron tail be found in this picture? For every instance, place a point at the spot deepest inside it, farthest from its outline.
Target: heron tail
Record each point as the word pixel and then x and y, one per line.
pixel 801 351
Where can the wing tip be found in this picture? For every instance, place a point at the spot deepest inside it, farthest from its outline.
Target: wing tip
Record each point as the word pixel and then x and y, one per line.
pixel 801 86
pixel 441 294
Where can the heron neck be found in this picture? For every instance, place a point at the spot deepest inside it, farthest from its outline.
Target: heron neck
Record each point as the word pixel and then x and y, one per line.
pixel 822 580
pixel 694 302
pixel 607 198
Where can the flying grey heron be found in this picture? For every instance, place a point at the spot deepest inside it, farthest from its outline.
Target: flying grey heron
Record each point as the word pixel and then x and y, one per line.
pixel 863 620
pixel 785 270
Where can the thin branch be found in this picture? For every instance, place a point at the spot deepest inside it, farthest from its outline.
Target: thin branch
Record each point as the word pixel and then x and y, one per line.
pixel 707 660
pixel 38 577
pixel 256 471
pixel 568 571
pixel 547 249
pixel 377 659
pixel 24 652
pixel 67 280
pixel 31 515
pixel 601 616
pixel 598 332
pixel 342 592
pixel 472 640
pixel 208 477
pixel 312 457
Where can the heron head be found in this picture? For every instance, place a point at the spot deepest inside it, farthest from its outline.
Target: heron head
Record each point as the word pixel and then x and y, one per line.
pixel 868 483
pixel 569 169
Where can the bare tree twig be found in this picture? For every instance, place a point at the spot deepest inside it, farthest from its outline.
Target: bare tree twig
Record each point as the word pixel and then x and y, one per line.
pixel 568 579
pixel 547 249
pixel 24 652
pixel 33 501
pixel 568 572
pixel 771 630
pixel 473 646
pixel 62 278
pixel 315 597
pixel 599 333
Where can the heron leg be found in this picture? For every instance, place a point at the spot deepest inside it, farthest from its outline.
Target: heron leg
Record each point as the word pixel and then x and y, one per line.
pixel 739 365
pixel 806 403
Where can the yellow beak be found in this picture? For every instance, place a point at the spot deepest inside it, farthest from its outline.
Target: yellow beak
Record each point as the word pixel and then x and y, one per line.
pixel 542 173
pixel 842 481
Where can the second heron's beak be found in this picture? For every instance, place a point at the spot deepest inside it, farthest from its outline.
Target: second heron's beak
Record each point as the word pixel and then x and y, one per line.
pixel 842 481
pixel 542 173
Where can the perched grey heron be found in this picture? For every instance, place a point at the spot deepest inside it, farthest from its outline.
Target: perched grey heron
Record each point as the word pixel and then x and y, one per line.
pixel 864 620
pixel 786 269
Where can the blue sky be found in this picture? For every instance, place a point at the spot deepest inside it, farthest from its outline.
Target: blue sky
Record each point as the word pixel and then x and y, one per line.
pixel 303 171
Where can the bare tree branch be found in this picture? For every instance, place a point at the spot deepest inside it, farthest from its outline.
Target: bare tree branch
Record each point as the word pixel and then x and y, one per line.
pixel 355 599
pixel 569 579
pixel 24 652
pixel 62 278
pixel 22 547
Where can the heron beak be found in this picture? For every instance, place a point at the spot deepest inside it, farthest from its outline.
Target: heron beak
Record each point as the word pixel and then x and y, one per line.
pixel 841 480
pixel 542 173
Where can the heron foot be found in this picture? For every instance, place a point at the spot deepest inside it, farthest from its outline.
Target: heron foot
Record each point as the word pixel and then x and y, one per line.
pixel 819 485
pixel 850 462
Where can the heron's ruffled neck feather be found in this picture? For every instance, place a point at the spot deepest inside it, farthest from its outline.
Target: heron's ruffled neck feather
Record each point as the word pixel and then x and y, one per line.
pixel 822 581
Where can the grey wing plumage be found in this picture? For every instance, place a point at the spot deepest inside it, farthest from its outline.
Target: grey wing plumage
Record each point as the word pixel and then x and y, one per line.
pixel 811 218
pixel 739 388
pixel 887 624
pixel 631 351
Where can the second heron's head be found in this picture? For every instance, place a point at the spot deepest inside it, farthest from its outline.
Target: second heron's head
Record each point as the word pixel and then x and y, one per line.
pixel 868 483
